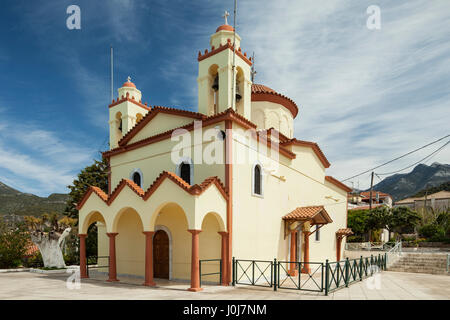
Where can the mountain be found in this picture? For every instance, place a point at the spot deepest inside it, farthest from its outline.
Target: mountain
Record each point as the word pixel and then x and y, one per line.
pixel 404 185
pixel 15 202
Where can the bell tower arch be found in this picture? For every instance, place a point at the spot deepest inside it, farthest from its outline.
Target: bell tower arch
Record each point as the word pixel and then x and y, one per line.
pixel 215 75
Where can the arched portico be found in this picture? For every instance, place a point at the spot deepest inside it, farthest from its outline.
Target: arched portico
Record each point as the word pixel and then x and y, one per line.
pixel 213 243
pixel 85 223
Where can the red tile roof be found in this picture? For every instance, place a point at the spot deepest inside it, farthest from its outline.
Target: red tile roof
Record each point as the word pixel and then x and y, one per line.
pixel 312 145
pixel 374 205
pixel 338 183
pixel 366 194
pixel 344 231
pixel 308 213
pixel 263 93
pixel 195 189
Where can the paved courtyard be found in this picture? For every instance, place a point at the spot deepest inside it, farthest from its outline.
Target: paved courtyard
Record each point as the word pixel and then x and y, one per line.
pixel 388 285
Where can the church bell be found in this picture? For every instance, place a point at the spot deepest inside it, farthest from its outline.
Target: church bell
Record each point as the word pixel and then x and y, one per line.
pixel 238 93
pixel 215 85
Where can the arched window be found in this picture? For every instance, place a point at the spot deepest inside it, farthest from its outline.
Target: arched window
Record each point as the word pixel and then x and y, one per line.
pixel 185 172
pixel 317 232
pixel 137 177
pixel 257 180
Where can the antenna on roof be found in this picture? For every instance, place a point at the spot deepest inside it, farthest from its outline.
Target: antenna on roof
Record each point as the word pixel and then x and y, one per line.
pixel 253 72
pixel 233 97
pixel 112 74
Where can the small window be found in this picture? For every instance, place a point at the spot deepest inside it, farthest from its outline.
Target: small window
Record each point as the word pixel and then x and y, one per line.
pixel 185 172
pixel 257 181
pixel 317 232
pixel 137 177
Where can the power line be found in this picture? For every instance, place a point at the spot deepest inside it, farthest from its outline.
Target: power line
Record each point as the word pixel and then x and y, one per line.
pixel 402 156
pixel 428 156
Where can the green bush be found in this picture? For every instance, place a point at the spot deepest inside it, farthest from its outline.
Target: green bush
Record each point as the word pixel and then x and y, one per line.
pixel 429 230
pixel 13 245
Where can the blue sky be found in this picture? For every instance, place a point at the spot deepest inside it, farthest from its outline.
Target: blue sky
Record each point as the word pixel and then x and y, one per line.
pixel 365 96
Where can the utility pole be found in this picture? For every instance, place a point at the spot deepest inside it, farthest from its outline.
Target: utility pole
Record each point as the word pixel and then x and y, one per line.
pixel 371 190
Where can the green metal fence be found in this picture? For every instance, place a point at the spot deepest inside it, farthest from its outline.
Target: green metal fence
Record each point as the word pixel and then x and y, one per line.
pixel 310 276
pixel 206 265
pixel 253 272
pixel 341 274
pixel 303 276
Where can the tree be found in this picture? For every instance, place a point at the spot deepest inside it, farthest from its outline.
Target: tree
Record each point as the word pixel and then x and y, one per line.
pixel 357 221
pixel 378 219
pixel 94 175
pixel 403 220
pixel 13 244
pixel 48 233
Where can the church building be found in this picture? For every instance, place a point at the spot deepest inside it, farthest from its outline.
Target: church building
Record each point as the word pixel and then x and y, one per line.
pixel 229 180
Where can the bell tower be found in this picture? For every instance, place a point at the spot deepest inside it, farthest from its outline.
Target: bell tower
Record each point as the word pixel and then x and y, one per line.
pixel 215 74
pixel 125 112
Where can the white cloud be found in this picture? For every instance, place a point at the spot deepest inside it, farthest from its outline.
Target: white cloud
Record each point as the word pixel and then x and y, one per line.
pixel 38 161
pixel 365 96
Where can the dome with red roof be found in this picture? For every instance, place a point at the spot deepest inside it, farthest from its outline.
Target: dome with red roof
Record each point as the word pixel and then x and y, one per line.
pixel 225 27
pixel 263 93
pixel 128 83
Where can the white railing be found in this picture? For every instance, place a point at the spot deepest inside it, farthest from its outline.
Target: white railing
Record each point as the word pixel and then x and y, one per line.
pixel 394 254
pixel 357 246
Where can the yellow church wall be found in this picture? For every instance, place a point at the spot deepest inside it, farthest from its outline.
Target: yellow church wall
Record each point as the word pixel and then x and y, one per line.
pixel 103 246
pixel 257 221
pixel 268 115
pixel 210 243
pixel 308 163
pixel 160 123
pixel 156 158
pixel 130 244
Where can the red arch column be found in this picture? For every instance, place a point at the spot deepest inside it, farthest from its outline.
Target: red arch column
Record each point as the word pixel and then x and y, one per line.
pixel 338 247
pixel 112 257
pixel 292 268
pixel 149 258
pixel 195 262
pixel 83 271
pixel 306 268
pixel 223 256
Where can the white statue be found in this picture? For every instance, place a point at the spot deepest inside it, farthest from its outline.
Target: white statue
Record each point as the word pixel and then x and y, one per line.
pixel 50 243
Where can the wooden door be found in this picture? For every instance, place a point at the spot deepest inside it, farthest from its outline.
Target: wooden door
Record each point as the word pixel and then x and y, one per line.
pixel 161 255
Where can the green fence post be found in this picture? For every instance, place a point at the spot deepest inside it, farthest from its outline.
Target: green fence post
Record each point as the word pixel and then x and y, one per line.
pixel 275 274
pixel 360 268
pixel 347 265
pixel 371 264
pixel 385 261
pixel 326 277
pixel 253 272
pixel 379 262
pixel 233 272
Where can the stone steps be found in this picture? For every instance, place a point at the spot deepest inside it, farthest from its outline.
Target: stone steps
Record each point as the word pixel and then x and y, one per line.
pixel 430 263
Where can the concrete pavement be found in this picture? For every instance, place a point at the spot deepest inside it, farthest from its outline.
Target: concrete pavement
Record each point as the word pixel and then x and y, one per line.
pixel 385 286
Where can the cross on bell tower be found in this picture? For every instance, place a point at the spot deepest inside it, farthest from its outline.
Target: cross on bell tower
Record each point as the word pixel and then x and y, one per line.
pixel 225 16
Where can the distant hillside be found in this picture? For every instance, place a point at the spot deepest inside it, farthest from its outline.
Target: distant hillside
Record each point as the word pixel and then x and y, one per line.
pixel 401 186
pixel 16 202
pixel 442 187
